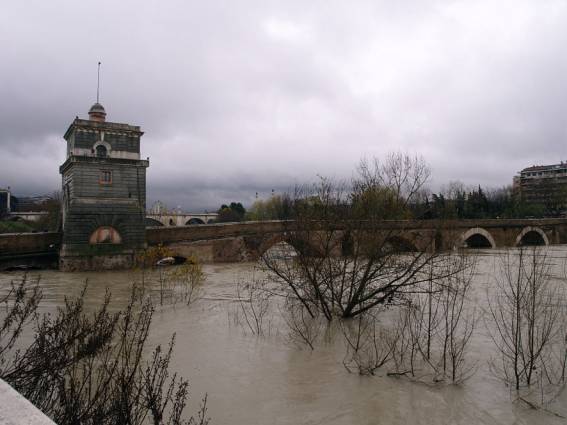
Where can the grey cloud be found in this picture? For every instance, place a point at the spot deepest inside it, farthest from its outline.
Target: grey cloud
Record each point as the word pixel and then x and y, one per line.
pixel 239 98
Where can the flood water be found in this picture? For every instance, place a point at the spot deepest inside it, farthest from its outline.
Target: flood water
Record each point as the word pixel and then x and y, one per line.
pixel 268 380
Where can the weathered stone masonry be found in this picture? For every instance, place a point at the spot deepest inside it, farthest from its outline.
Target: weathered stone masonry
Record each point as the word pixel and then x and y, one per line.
pixel 104 194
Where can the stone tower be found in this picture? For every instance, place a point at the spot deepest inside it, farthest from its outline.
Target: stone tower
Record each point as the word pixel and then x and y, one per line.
pixel 104 194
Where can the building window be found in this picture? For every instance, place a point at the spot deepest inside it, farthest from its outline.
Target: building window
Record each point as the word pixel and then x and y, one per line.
pixel 105 177
pixel 101 151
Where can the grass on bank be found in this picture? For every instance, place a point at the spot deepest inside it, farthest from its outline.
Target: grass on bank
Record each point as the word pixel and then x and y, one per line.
pixel 15 227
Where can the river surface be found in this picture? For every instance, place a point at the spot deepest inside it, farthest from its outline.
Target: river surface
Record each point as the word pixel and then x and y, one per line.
pixel 268 380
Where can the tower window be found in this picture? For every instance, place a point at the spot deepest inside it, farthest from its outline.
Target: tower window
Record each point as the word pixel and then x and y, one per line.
pixel 101 151
pixel 105 177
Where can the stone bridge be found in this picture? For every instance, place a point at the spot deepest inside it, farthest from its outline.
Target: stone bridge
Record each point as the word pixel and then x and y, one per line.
pixel 247 241
pixel 179 219
pixel 27 216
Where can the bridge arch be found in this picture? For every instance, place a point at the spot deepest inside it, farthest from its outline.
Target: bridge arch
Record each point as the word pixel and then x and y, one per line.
pixel 153 222
pixel 400 244
pixel 298 244
pixel 266 244
pixel 532 236
pixel 194 220
pixel 477 237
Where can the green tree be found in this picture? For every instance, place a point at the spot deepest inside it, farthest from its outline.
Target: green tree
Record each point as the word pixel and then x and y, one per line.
pixel 277 207
pixel 231 213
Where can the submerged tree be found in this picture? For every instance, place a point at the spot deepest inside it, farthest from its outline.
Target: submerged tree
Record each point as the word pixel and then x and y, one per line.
pixel 426 337
pixel 350 257
pixel 526 320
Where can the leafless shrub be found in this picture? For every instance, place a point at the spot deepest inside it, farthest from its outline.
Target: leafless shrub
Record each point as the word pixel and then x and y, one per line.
pixel 458 322
pixel 186 281
pixel 177 284
pixel 253 304
pixel 404 344
pixel 304 330
pixel 92 364
pixel 526 324
pixel 369 345
pixel 20 307
pixel 425 336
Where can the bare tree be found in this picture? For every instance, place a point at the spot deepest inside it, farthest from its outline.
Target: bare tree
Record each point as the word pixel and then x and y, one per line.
pixel 428 335
pixel 303 329
pixel 350 258
pixel 458 323
pixel 525 320
pixel 253 304
pixel 369 345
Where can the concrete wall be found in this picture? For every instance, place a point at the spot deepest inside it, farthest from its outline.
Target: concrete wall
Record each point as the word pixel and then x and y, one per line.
pixel 15 409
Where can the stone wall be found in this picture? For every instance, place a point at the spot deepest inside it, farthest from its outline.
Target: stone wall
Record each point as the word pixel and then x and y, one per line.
pixel 39 250
pixel 90 205
pixel 14 244
pixel 165 235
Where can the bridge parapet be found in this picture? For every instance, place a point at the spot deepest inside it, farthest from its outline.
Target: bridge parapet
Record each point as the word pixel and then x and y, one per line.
pixel 157 235
pixel 246 240
pixel 29 243
pixel 175 219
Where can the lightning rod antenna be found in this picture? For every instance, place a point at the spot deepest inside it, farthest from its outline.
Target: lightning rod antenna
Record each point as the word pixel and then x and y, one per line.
pixel 98 83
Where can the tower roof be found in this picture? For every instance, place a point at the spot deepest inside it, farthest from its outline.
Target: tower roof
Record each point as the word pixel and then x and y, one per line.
pixel 97 113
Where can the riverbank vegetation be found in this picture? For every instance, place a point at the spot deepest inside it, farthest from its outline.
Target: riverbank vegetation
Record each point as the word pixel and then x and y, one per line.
pixel 83 367
pixel 397 304
pixel 403 307
pixel 527 315
pixel 8 226
pixel 429 333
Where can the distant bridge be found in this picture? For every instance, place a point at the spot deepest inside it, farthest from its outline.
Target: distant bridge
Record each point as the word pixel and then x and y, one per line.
pixel 179 219
pixel 27 215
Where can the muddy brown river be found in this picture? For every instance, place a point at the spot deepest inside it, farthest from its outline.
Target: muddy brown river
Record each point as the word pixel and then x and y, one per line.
pixel 269 380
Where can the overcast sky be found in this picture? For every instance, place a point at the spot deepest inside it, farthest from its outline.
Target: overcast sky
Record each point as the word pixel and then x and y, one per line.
pixel 239 97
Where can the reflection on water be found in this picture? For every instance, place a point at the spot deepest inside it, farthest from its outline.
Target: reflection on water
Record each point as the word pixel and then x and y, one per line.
pixel 266 380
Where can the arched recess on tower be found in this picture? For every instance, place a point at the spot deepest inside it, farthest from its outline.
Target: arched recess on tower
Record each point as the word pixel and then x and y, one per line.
pixel 532 236
pixel 478 238
pixel 105 235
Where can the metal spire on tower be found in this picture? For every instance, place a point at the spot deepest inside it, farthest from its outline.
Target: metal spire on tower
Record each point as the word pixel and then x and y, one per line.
pixel 98 83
